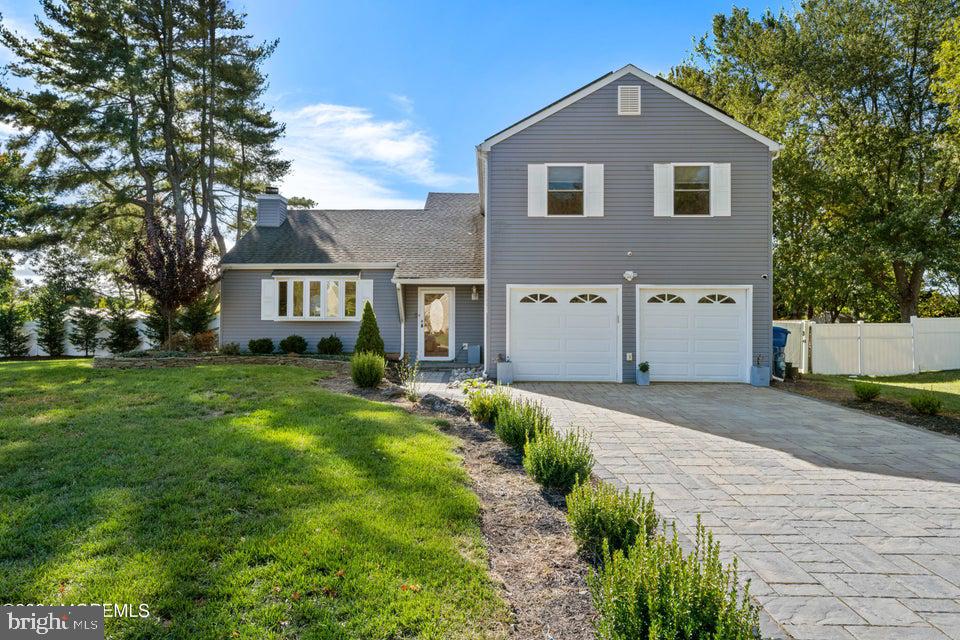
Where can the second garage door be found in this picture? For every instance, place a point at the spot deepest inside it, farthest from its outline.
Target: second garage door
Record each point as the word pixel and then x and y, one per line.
pixel 692 334
pixel 565 333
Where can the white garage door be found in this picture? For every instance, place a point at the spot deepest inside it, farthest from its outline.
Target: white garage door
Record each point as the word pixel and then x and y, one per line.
pixel 695 334
pixel 565 333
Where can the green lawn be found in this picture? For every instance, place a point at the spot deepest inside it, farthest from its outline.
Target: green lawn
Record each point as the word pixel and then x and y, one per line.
pixel 943 384
pixel 239 501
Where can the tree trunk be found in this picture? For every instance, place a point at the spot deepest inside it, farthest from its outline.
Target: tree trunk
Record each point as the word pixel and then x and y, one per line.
pixel 909 279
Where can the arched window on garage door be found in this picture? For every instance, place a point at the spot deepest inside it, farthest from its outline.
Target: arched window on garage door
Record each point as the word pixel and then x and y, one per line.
pixel 535 298
pixel 666 297
pixel 716 298
pixel 588 298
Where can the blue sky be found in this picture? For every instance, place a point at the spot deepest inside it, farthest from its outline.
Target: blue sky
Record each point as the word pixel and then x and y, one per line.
pixel 385 101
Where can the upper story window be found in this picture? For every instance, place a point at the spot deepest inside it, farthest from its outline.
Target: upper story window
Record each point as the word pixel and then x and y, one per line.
pixel 564 191
pixel 691 190
pixel 317 298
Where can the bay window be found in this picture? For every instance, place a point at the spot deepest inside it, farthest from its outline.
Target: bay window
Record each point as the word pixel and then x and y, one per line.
pixel 317 298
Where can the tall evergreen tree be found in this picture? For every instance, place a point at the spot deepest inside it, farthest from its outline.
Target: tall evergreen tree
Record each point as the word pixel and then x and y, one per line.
pixel 13 340
pixel 86 325
pixel 50 313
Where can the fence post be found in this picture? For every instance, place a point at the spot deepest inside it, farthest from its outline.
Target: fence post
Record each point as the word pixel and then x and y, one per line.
pixel 859 347
pixel 808 351
pixel 913 344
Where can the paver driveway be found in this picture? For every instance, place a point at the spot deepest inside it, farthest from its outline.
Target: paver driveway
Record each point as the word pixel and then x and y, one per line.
pixel 849 525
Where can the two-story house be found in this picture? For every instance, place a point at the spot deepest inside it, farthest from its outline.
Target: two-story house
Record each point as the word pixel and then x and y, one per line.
pixel 625 222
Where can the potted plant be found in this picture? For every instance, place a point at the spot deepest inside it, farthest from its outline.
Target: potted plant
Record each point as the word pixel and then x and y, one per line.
pixel 759 374
pixel 643 373
pixel 504 370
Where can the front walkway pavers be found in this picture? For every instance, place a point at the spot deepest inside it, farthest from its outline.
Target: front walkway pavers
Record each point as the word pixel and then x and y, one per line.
pixel 847 525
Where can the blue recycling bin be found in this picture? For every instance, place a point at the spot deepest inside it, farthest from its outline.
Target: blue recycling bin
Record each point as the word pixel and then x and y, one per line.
pixel 780 336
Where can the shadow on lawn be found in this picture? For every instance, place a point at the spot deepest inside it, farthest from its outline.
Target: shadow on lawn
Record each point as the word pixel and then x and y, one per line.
pixel 233 499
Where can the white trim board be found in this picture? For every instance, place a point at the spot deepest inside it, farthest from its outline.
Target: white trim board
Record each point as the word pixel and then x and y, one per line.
pixel 611 287
pixel 773 145
pixel 433 281
pixel 748 324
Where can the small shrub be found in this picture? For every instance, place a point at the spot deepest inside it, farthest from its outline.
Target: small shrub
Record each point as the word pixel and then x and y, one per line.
pixel 330 346
pixel 518 421
pixel 644 366
pixel 602 512
pixel 866 391
pixel 409 378
pixel 230 349
pixel 293 344
pixel 558 461
pixel 204 342
pixel 179 341
pixel 367 369
pixel 369 338
pixel 653 591
pixel 474 384
pixel 484 403
pixel 926 403
pixel 260 346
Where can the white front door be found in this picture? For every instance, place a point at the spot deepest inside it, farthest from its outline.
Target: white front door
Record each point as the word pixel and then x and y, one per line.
pixel 564 332
pixel 695 333
pixel 436 309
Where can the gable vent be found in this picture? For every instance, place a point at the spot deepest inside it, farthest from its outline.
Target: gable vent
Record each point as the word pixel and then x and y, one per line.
pixel 628 103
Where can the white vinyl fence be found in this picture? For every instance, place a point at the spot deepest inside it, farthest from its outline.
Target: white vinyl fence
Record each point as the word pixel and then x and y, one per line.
pixel 30 329
pixel 876 349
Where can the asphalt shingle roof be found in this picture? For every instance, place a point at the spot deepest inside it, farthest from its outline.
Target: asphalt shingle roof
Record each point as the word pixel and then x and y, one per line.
pixel 442 240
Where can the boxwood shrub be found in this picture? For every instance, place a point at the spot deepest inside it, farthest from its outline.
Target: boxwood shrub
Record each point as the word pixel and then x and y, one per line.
pixel 866 391
pixel 367 369
pixel 926 403
pixel 484 404
pixel 293 344
pixel 558 461
pixel 601 512
pixel 652 591
pixel 518 421
pixel 260 346
pixel 330 346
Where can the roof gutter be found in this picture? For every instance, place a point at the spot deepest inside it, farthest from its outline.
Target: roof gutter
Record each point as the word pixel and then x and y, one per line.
pixel 260 266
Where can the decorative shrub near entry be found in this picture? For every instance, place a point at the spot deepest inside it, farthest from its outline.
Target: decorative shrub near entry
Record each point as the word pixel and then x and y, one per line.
pixel 260 346
pixel 558 462
pixel 653 591
pixel 230 349
pixel 484 404
pixel 926 403
pixel 293 344
pixel 866 391
pixel 518 421
pixel 369 338
pixel 598 512
pixel 367 369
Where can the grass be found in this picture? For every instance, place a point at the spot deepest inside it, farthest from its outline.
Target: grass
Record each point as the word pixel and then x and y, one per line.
pixel 236 501
pixel 945 385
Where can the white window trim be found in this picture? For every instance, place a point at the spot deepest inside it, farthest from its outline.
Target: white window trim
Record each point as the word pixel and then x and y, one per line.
pixel 452 320
pixel 546 189
pixel 692 216
pixel 306 280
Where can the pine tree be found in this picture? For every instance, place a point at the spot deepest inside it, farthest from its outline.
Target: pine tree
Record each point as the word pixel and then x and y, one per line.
pixel 50 312
pixel 86 326
pixel 123 335
pixel 369 339
pixel 13 341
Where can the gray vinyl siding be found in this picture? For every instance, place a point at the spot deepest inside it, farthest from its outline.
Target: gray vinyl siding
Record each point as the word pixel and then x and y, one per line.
pixel 468 319
pixel 665 251
pixel 240 313
pixel 271 211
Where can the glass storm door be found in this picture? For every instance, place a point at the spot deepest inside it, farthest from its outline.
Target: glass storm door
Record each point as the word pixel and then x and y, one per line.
pixel 436 323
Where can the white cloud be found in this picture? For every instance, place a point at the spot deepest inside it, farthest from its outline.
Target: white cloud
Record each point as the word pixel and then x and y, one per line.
pixel 403 103
pixel 344 157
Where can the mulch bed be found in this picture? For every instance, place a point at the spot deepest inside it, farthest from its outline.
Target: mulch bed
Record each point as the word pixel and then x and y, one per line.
pixel 896 410
pixel 531 552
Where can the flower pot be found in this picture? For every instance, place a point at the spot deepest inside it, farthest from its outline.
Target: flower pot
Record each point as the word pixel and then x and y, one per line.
pixel 504 373
pixel 760 376
pixel 643 378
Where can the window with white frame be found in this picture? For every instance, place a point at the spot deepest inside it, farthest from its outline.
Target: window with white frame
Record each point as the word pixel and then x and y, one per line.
pixel 691 190
pixel 564 190
pixel 317 298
